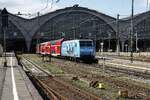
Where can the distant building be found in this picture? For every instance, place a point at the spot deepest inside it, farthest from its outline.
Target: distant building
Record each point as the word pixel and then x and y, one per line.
pixel 74 23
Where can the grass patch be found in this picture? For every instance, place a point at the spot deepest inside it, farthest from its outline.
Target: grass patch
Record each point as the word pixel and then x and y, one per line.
pixel 135 82
pixel 53 69
pixel 107 94
pixel 46 65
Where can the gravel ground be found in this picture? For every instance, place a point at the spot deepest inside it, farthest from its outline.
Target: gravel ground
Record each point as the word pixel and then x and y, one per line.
pixel 138 90
pixel 67 91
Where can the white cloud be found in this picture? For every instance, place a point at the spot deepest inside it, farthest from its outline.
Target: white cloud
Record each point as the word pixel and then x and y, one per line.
pixel 27 6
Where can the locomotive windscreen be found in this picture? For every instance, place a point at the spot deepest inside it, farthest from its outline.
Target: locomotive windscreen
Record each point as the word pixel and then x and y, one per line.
pixel 86 43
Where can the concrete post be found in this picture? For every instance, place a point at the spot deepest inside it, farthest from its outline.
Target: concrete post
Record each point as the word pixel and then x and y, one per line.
pixel 28 43
pixel 122 45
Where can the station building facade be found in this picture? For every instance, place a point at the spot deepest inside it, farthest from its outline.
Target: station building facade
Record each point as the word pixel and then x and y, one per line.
pixel 76 23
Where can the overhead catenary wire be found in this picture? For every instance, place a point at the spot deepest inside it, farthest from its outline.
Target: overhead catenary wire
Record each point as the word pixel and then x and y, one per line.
pixel 91 18
pixel 41 10
pixel 46 6
pixel 147 5
pixel 139 29
pixel 99 25
pixel 88 19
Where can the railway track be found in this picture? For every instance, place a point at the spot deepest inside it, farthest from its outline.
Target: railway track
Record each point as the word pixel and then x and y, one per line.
pixel 132 70
pixel 142 72
pixel 115 67
pixel 135 91
pixel 85 72
pixel 138 73
pixel 135 58
pixel 54 88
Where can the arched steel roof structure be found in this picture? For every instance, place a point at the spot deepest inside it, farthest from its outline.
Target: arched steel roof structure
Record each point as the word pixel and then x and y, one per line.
pixel 29 27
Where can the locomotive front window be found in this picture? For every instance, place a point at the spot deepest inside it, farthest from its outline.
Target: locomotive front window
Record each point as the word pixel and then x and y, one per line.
pixel 86 43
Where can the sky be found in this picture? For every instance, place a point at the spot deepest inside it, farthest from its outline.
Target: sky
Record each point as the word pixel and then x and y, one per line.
pixel 110 7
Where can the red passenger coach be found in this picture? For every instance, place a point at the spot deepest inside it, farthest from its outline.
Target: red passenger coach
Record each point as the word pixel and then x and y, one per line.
pixel 48 48
pixel 56 47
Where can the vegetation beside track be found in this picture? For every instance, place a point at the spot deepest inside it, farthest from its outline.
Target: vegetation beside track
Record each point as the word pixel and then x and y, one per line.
pixel 50 84
pixel 46 65
pixel 88 73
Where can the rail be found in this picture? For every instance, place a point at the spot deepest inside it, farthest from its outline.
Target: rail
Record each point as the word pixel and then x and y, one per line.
pixel 52 93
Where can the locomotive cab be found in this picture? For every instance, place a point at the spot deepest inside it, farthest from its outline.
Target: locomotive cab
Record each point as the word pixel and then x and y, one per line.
pixel 87 49
pixel 79 49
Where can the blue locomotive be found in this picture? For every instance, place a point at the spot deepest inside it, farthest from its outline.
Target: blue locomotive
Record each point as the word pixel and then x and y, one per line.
pixel 79 49
pixel 83 49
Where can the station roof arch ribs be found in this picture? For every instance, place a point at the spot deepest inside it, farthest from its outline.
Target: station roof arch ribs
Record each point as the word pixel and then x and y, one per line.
pixel 26 27
pixel 15 31
pixel 138 18
pixel 107 19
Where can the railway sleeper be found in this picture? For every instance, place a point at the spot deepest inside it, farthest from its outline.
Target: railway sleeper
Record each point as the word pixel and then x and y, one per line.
pixel 45 91
pixel 143 74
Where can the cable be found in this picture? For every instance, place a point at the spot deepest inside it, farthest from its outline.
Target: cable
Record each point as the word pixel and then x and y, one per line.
pixel 95 26
pixel 147 5
pixel 46 6
pixel 139 29
pixel 47 1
